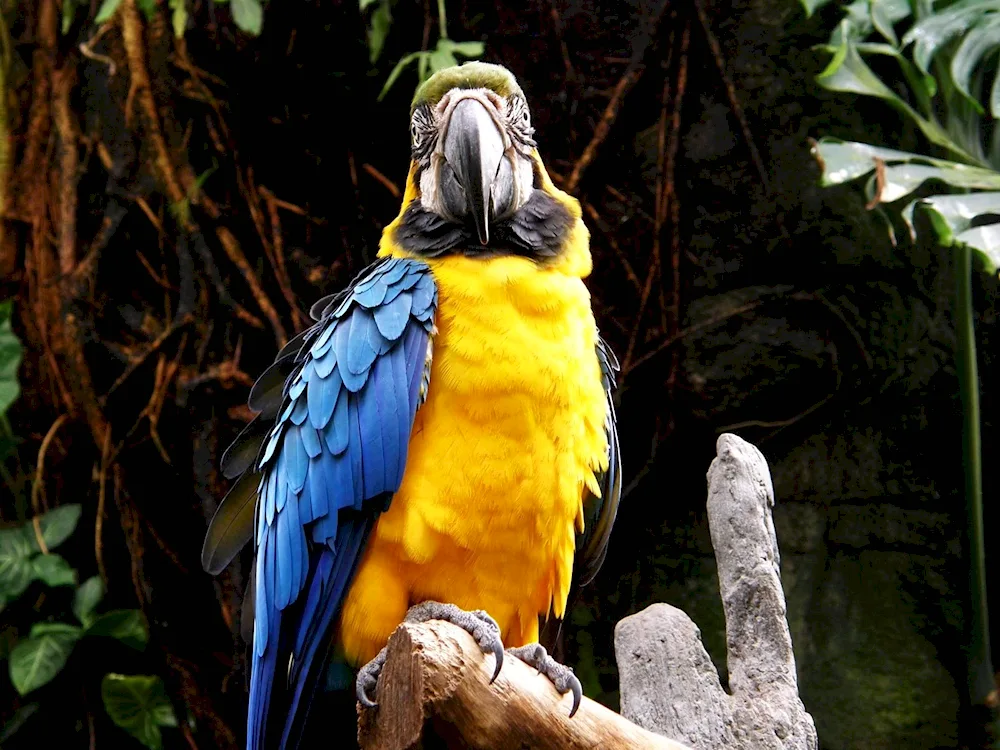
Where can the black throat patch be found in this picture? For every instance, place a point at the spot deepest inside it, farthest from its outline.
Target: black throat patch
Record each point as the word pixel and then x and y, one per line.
pixel 537 231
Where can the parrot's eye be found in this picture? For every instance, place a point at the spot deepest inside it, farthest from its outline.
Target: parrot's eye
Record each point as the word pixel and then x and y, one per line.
pixel 422 132
pixel 519 118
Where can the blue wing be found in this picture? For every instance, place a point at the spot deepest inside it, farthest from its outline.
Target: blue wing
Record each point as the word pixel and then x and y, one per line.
pixel 344 394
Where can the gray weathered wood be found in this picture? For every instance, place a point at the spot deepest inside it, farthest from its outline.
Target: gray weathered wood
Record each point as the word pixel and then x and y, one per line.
pixel 668 682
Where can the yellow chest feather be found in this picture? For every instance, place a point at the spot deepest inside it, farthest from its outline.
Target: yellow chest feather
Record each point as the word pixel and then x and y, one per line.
pixel 511 433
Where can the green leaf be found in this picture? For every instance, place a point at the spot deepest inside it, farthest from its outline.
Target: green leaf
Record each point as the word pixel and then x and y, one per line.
pixel 10 359
pixel 995 99
pixel 885 14
pixel 127 625
pixel 108 8
pixel 847 72
pixel 442 56
pixel 68 14
pixel 53 570
pixel 933 32
pixel 397 71
pixel 844 161
pixel 56 525
pixel 363 4
pixel 147 7
pixel 811 6
pixel 422 62
pixel 378 31
pixel 179 17
pixel 468 49
pixel 16 572
pixel 986 242
pixel 923 86
pixel 36 660
pixel 139 705
pixel 977 44
pixel 905 178
pixel 855 25
pixel 953 214
pixel 86 599
pixel 248 15
pixel 40 629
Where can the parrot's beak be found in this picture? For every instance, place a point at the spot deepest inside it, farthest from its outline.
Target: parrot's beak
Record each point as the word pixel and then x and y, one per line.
pixel 474 150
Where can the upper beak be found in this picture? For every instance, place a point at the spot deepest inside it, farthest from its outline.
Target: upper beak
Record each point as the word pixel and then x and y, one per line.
pixel 474 149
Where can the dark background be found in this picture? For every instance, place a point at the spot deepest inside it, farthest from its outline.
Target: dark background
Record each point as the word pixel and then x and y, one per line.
pixel 791 321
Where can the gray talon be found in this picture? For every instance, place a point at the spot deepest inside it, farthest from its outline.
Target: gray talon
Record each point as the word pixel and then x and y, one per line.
pixel 535 655
pixel 477 623
pixel 368 679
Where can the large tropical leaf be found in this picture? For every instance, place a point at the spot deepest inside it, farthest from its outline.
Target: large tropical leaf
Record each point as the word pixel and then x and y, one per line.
pixel 899 173
pixel 945 52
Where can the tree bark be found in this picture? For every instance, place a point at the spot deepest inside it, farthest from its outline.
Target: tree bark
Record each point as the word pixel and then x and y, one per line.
pixel 436 680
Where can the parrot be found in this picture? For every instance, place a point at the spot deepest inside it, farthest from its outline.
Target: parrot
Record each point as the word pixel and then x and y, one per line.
pixel 441 442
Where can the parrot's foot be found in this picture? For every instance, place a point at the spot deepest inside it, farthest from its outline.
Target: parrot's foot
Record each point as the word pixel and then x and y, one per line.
pixel 535 655
pixel 368 679
pixel 477 623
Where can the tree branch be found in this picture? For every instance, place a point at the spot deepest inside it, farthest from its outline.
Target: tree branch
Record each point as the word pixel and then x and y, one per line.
pixel 436 677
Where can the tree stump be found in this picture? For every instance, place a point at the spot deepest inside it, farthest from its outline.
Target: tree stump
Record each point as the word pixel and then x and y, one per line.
pixel 668 682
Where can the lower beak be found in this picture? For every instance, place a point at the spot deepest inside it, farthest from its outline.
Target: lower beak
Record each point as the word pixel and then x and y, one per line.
pixel 473 148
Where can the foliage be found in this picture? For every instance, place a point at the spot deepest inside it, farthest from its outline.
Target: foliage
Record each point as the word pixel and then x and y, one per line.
pixel 379 22
pixel 22 560
pixel 37 659
pixel 139 705
pixel 248 15
pixel 10 359
pixel 429 62
pixel 942 57
pixel 136 703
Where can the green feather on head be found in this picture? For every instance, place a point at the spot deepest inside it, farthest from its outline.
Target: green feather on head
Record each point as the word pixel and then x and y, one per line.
pixel 470 75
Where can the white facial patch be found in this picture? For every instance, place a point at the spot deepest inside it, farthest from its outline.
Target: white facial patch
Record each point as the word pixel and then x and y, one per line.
pixel 521 173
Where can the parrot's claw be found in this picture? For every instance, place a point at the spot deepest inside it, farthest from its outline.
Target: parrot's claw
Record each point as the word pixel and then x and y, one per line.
pixel 477 623
pixel 368 679
pixel 535 655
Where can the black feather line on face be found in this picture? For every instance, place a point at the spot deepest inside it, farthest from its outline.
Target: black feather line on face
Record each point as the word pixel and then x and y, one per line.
pixel 537 231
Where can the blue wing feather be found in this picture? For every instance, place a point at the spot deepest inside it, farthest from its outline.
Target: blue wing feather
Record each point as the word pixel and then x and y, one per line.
pixel 391 318
pixel 335 432
pixel 372 444
pixel 355 451
pixel 336 454
pixel 310 441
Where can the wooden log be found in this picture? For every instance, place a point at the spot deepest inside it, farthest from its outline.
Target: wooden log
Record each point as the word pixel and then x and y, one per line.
pixel 668 682
pixel 436 680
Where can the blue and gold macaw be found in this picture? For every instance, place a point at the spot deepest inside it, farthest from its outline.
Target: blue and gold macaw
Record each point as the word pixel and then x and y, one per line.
pixel 443 437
